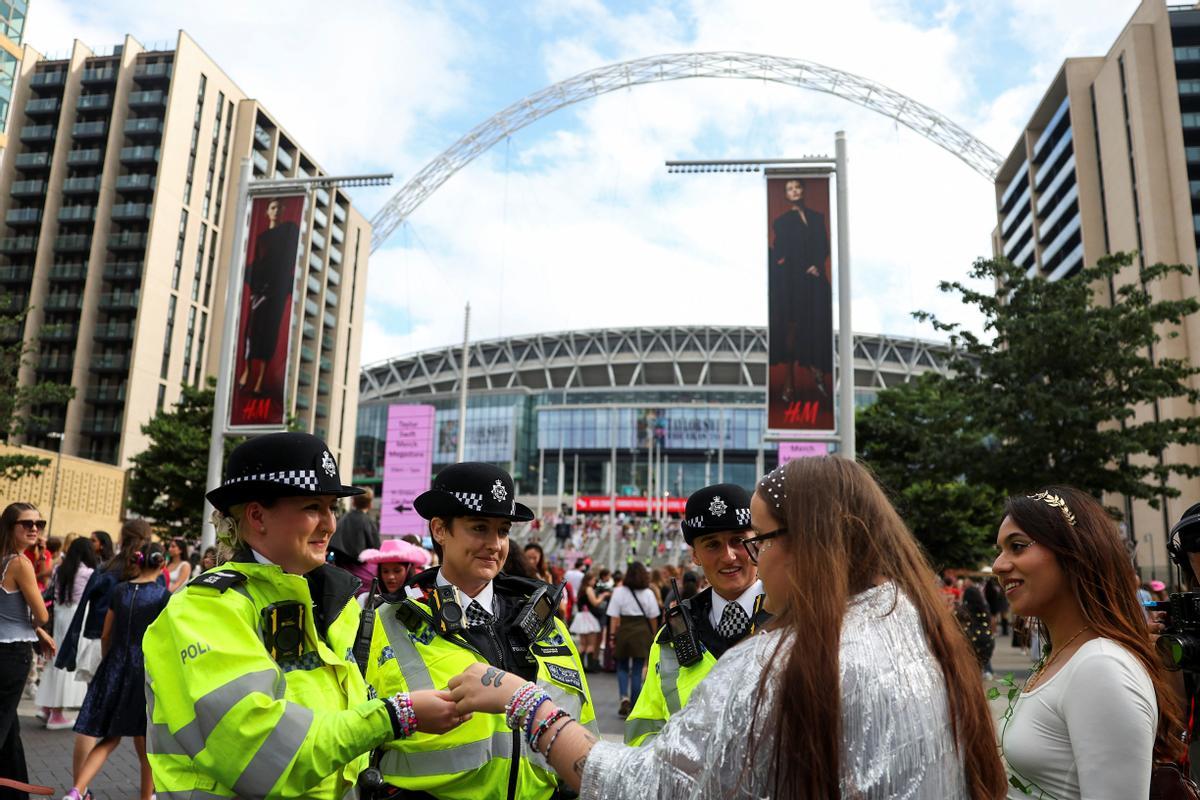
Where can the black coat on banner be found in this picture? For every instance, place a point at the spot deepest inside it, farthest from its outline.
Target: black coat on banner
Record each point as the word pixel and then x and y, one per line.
pixel 795 295
pixel 270 280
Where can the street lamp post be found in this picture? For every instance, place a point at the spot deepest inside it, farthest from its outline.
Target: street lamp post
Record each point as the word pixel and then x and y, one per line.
pixel 54 481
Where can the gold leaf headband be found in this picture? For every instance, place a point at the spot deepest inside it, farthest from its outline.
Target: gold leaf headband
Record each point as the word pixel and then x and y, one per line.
pixel 1054 501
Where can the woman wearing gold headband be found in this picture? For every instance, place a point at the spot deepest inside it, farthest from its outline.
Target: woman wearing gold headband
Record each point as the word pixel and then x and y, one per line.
pixel 1096 713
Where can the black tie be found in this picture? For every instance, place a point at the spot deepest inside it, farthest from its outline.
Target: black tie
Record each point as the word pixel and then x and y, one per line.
pixel 733 621
pixel 477 615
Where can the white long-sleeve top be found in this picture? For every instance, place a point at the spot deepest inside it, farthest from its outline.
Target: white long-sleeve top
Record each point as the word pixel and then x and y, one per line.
pixel 1087 732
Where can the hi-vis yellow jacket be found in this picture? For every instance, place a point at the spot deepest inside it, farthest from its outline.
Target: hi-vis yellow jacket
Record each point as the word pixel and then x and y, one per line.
pixel 225 719
pixel 482 757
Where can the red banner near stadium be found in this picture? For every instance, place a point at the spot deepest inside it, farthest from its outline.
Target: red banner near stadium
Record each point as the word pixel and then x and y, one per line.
pixel 631 505
pixel 800 305
pixel 274 251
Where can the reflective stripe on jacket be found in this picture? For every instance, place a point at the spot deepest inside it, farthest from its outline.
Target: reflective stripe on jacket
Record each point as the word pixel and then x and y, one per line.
pixel 666 690
pixel 225 719
pixel 475 759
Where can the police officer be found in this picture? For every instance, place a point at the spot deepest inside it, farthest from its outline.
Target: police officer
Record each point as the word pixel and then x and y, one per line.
pixel 252 686
pixel 469 613
pixel 716 519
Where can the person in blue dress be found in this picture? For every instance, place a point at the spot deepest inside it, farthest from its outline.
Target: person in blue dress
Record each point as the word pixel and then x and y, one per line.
pixel 115 706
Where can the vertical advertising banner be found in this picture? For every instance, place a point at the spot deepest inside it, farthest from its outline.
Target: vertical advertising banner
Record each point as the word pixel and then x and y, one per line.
pixel 800 305
pixel 274 253
pixel 793 450
pixel 407 468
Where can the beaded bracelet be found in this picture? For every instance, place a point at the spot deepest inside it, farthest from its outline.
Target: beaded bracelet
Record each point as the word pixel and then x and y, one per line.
pixel 532 715
pixel 516 706
pixel 545 724
pixel 554 738
pixel 404 717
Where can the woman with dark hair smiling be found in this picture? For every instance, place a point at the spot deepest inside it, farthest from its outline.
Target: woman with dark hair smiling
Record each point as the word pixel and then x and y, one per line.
pixel 863 687
pixel 1097 711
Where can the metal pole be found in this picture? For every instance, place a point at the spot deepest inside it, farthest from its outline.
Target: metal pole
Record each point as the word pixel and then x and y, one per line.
pixel 541 478
pixel 612 491
pixel 233 290
pixel 463 363
pixel 562 478
pixel 721 447
pixel 575 484
pixel 845 332
pixel 54 481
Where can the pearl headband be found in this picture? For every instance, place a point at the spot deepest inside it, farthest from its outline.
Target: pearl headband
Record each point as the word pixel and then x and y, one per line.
pixel 771 485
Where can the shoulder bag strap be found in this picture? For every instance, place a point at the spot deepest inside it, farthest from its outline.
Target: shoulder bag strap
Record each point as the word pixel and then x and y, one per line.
pixel 639 605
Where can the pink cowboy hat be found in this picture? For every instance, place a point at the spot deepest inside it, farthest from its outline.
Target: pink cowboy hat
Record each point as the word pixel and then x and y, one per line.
pixel 395 551
pixel 1157 586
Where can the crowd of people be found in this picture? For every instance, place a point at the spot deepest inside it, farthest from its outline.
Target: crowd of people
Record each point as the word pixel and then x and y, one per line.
pixel 806 650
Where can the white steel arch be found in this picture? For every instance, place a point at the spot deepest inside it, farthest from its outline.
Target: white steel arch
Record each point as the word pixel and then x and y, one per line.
pixel 673 67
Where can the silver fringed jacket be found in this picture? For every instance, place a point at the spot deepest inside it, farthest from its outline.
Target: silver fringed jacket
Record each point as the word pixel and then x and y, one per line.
pixel 896 740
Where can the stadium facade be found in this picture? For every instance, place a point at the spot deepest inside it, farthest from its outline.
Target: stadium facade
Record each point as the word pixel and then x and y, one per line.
pixel 559 409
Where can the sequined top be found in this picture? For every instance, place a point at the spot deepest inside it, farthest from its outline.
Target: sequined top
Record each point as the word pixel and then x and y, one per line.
pixel 896 740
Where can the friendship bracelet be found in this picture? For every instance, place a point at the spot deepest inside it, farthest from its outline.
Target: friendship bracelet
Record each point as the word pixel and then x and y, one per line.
pixel 544 726
pixel 529 718
pixel 404 717
pixel 516 706
pixel 554 738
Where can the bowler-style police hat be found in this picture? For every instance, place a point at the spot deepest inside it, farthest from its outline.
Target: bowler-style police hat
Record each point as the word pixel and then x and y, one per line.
pixel 279 465
pixel 716 509
pixel 472 489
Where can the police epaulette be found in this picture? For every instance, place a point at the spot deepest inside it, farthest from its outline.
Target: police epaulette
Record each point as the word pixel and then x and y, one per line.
pixel 220 579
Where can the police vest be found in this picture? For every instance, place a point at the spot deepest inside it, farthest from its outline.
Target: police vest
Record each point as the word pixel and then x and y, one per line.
pixel 482 757
pixel 226 719
pixel 668 684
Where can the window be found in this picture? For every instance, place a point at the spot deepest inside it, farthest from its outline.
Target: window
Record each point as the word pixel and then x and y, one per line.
pixel 198 272
pixel 200 349
pixel 224 157
pixel 183 219
pixel 166 357
pixel 212 156
pixel 212 258
pixel 187 342
pixel 187 187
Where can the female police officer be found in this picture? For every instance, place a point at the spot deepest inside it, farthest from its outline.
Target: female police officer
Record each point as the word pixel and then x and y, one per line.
pixel 471 613
pixel 253 689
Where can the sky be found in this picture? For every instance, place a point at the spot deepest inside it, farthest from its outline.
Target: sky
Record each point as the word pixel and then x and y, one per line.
pixel 573 222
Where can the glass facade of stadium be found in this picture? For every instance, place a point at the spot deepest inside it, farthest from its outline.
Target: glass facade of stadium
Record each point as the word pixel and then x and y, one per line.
pixel 567 407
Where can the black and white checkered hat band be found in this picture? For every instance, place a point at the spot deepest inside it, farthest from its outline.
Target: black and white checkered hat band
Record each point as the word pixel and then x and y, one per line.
pixel 694 522
pixel 743 516
pixel 471 500
pixel 300 478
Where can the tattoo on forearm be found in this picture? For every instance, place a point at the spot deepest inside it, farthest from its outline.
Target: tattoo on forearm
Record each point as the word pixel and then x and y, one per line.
pixel 488 674
pixel 499 677
pixel 580 763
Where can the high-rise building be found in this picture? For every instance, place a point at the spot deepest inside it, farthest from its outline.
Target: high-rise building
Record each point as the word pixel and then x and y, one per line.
pixel 118 196
pixel 12 29
pixel 1110 162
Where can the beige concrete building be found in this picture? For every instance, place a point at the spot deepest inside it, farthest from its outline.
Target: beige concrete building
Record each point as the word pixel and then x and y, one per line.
pixel 118 198
pixel 77 495
pixel 1110 162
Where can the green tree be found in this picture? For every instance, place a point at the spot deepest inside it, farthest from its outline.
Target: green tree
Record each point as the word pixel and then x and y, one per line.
pixel 1056 385
pixel 29 408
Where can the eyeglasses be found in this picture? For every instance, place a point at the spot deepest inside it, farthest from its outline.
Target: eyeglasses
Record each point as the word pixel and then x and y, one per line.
pixel 754 546
pixel 30 524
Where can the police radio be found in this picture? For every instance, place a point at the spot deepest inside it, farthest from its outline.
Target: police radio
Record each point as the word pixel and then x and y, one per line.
pixel 682 634
pixel 447 613
pixel 366 627
pixel 283 630
pixel 532 619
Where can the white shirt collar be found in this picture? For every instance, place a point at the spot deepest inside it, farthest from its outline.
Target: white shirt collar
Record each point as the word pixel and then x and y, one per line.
pixel 745 600
pixel 260 558
pixel 484 598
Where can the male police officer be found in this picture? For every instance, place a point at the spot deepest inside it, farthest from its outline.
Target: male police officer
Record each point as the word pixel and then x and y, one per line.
pixel 715 520
pixel 470 613
pixel 252 686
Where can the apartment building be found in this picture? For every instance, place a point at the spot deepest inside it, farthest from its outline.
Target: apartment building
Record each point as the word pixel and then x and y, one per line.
pixel 118 195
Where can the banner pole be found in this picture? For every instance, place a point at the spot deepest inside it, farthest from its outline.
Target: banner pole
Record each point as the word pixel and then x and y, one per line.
pixel 845 333
pixel 233 293
pixel 464 362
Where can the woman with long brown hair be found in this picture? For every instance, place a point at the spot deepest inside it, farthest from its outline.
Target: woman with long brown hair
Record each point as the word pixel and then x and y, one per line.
pixel 1097 710
pixel 863 686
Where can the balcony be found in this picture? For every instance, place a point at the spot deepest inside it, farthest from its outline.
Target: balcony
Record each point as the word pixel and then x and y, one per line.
pixel 104 395
pixel 94 102
pixel 302 402
pixel 131 211
pixel 73 242
pixel 319 219
pixel 100 75
pixel 304 379
pixel 143 126
pixel 307 355
pixel 260 163
pixel 69 301
pixel 335 256
pixel 56 362
pixel 284 159
pixel 127 240
pixel 323 387
pixel 139 154
pixel 314 285
pixel 76 213
pixel 322 410
pixel 68 272
pixel 336 234
pixel 310 307
pixel 59 333
pixel 335 277
pixel 33 160
pixel 153 98
pixel 329 320
pixel 33 188
pixel 318 241
pixel 149 72
pixel 52 78
pixel 16 274
pixel 23 216
pixel 43 105
pixel 101 426
pixel 123 271
pixel 339 214
pixel 89 130
pixel 331 298
pixel 81 158
pixel 322 197
pixel 119 301
pixel 81 185
pixel 110 362
pixel 37 133
pixel 113 332
pixel 13 302
pixel 310 330
pixel 135 183
pixel 262 138
pixel 11 332
pixel 315 262
pixel 18 244
pixel 326 364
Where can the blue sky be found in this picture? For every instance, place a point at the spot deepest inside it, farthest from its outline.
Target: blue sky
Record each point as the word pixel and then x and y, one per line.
pixel 573 222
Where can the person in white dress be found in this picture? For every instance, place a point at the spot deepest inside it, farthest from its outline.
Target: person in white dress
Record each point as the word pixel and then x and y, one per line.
pixel 179 569
pixel 58 690
pixel 1097 712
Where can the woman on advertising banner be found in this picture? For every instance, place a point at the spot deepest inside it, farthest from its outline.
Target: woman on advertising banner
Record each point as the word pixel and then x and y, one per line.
pixel 801 296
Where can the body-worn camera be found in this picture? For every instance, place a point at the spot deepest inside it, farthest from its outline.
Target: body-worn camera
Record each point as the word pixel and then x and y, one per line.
pixel 446 610
pixel 1179 645
pixel 283 630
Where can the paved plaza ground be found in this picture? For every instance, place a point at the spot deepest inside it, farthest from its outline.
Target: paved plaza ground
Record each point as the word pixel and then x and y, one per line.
pixel 49 752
